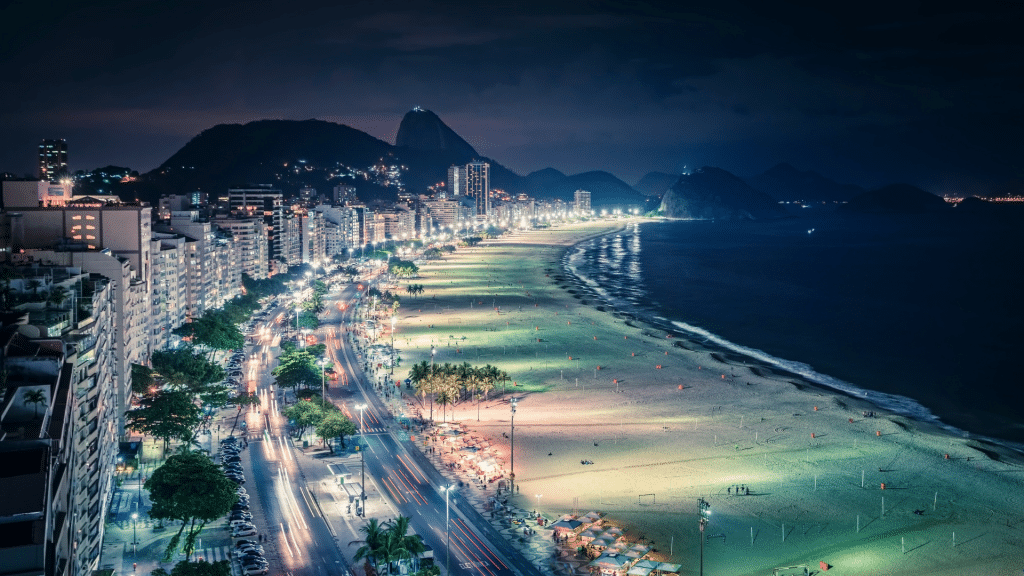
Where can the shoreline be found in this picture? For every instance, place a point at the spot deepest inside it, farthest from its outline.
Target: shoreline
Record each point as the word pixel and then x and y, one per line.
pixel 744 357
pixel 690 427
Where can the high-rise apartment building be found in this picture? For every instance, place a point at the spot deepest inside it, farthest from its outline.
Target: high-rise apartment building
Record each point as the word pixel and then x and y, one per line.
pixel 53 159
pixel 58 455
pixel 267 202
pixel 581 201
pixel 456 181
pixel 478 186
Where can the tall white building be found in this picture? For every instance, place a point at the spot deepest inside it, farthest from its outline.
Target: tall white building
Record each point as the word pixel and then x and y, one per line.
pixel 456 181
pixel 58 457
pixel 267 202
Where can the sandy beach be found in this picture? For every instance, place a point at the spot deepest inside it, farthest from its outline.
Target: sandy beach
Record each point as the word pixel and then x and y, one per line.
pixel 666 420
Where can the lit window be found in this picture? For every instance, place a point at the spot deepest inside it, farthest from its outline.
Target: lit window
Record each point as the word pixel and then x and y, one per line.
pixel 90 217
pixel 79 217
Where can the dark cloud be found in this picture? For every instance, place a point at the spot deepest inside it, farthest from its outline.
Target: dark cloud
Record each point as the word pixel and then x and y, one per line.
pixel 924 92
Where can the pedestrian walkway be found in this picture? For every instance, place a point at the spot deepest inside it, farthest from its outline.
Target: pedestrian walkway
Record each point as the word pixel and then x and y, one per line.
pixel 215 554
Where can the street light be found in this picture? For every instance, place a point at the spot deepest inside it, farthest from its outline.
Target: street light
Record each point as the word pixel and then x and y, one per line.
pixel 512 478
pixel 135 533
pixel 362 458
pixel 447 532
pixel 704 509
pixel 323 380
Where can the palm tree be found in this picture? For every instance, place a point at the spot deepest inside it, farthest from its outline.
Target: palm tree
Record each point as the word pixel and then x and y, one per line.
pixel 485 383
pixel 398 544
pixel 57 296
pixel 372 543
pixel 34 397
pixel 34 284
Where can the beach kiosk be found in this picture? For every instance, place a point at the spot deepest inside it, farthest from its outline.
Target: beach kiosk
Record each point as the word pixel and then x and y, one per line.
pixel 340 473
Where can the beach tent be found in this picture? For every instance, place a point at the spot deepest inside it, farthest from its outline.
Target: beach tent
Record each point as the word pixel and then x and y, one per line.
pixel 638 570
pixel 567 527
pixel 611 564
pixel 666 568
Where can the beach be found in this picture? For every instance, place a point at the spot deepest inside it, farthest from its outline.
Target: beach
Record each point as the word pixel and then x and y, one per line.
pixel 667 420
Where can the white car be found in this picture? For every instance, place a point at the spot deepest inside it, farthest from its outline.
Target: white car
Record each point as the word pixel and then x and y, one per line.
pixel 256 570
pixel 241 532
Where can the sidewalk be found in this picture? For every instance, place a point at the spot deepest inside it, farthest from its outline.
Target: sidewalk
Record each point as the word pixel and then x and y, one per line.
pixel 150 540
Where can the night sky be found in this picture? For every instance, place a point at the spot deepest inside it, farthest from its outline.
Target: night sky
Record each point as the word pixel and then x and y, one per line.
pixel 929 93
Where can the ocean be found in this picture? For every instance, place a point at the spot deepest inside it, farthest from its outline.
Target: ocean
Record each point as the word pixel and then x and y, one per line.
pixel 919 314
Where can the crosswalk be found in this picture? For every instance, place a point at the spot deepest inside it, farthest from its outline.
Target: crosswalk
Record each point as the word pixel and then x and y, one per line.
pixel 377 430
pixel 214 554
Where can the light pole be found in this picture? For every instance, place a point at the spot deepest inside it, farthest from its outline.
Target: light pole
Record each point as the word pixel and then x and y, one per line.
pixel 135 533
pixel 512 477
pixel 704 509
pixel 362 458
pixel 447 531
pixel 323 380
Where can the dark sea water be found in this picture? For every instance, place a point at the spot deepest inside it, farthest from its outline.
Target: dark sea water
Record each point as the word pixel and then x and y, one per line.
pixel 920 314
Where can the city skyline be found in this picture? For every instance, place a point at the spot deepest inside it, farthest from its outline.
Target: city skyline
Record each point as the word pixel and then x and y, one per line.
pixel 868 96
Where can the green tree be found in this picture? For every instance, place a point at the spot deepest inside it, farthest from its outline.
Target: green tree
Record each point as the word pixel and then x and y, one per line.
pixel 398 544
pixel 57 296
pixel 142 379
pixel 295 369
pixel 335 425
pixel 184 368
pixel 403 268
pixel 37 397
pixel 191 488
pixel 372 542
pixel 213 331
pixel 304 414
pixel 168 414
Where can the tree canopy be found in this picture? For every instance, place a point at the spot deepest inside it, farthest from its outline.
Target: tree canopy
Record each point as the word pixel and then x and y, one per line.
pixel 189 487
pixel 183 368
pixel 335 425
pixel 167 414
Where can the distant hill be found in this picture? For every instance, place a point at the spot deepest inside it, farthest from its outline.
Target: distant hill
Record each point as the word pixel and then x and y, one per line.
pixel 785 183
pixel 896 199
pixel 291 154
pixel 714 194
pixel 539 180
pixel 606 191
pixel 655 183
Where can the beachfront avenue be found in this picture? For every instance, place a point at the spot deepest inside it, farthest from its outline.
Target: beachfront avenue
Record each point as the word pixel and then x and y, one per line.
pixel 309 523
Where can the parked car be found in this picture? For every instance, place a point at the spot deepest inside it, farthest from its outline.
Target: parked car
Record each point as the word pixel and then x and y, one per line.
pixel 249 550
pixel 244 516
pixel 238 524
pixel 241 543
pixel 248 531
pixel 255 570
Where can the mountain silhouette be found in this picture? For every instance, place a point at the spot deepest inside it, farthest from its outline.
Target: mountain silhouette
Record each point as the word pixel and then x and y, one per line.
pixel 785 183
pixel 896 199
pixel 606 191
pixel 422 130
pixel 715 194
pixel 656 183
